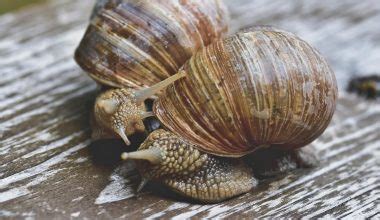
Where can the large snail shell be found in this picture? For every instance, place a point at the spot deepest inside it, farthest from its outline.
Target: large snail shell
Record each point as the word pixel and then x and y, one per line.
pixel 257 88
pixel 137 43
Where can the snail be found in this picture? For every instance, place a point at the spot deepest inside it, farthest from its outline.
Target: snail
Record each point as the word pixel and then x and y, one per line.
pixel 262 92
pixel 138 43
pixel 262 88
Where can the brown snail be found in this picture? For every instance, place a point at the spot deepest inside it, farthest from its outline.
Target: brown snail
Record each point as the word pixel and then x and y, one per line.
pixel 138 43
pixel 262 88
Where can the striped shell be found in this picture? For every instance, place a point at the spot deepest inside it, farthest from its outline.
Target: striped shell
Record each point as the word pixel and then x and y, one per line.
pixel 137 43
pixel 261 87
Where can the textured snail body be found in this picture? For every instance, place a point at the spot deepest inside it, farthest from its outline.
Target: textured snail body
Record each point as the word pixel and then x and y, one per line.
pixel 137 43
pixel 261 87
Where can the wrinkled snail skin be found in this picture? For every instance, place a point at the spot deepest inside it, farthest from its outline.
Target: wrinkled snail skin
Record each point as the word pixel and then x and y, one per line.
pixel 189 172
pixel 137 43
pixel 261 87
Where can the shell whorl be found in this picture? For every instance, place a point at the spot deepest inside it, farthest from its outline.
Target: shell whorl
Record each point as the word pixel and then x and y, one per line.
pixel 137 43
pixel 260 87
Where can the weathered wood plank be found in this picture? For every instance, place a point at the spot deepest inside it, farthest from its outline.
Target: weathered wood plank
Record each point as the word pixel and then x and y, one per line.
pixel 47 170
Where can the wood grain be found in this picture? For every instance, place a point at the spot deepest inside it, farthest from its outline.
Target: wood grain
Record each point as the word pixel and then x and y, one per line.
pixel 48 171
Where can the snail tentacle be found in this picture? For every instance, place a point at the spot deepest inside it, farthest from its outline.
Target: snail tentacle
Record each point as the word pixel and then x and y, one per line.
pixel 143 94
pixel 190 172
pixel 123 136
pixel 153 155
pixel 147 114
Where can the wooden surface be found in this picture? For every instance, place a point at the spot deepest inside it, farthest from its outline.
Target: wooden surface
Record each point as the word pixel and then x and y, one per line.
pixel 48 171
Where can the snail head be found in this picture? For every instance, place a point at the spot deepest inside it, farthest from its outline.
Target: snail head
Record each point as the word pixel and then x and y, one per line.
pixel 122 110
pixel 164 155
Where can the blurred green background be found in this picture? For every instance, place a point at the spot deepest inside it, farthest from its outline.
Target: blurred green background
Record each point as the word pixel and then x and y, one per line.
pixel 10 5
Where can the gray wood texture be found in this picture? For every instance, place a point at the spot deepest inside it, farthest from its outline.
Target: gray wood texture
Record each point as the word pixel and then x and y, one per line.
pixel 48 171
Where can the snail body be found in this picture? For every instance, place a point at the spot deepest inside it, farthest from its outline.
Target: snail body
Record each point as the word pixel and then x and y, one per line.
pixel 169 160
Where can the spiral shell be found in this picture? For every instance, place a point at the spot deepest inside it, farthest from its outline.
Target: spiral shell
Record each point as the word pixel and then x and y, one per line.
pixel 137 43
pixel 261 87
